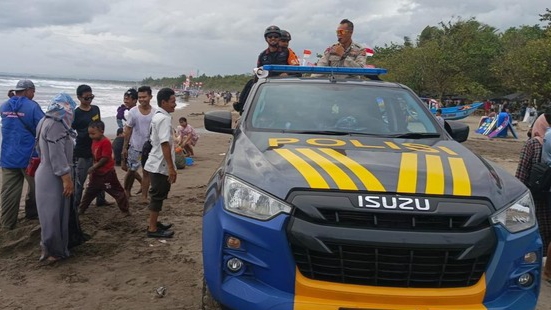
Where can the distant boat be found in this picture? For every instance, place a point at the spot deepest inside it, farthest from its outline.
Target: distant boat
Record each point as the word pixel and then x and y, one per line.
pixel 458 112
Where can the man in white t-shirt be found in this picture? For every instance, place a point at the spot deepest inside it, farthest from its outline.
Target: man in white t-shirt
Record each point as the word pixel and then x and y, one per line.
pixel 160 163
pixel 136 132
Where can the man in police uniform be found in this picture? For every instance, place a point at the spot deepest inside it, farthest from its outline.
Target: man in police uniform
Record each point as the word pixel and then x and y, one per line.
pixel 346 53
pixel 273 55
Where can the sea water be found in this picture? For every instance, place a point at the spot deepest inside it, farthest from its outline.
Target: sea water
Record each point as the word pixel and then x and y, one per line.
pixel 108 94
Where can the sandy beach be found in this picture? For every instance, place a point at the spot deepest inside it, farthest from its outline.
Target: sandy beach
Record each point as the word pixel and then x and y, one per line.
pixel 120 268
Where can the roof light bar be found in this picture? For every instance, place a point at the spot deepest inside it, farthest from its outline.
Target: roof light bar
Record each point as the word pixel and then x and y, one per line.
pixel 326 70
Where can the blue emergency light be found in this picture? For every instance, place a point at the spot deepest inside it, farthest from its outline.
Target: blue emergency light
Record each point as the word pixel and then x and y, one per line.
pixel 324 70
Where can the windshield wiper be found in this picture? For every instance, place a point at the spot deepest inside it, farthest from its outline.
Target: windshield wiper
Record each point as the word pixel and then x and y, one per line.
pixel 415 135
pixel 337 133
pixel 320 132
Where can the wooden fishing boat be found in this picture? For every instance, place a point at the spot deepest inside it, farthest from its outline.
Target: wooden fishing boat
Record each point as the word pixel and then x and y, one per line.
pixel 458 112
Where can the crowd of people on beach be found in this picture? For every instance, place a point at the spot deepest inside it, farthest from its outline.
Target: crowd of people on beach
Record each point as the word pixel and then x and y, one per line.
pixel 214 96
pixel 56 151
pixel 69 142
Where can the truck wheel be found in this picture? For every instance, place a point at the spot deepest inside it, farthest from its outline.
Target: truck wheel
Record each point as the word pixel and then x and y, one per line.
pixel 208 302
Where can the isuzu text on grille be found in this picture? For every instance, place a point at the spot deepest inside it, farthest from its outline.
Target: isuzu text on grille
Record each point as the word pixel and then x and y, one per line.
pixel 401 203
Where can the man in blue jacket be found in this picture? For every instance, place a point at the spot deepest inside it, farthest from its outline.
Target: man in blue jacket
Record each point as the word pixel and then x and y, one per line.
pixel 20 116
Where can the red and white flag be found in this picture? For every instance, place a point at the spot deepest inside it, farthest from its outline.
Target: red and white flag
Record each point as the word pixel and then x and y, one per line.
pixel 369 51
pixel 306 53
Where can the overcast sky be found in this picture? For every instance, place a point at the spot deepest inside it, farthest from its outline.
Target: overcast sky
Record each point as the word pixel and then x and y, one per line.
pixel 134 39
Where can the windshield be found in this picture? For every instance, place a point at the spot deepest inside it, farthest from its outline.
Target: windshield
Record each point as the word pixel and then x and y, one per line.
pixel 339 109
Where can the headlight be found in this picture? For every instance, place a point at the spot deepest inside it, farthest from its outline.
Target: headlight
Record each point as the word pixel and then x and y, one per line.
pixel 520 216
pixel 243 199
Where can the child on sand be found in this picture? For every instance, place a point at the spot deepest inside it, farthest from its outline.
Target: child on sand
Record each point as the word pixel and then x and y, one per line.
pixel 187 136
pixel 103 176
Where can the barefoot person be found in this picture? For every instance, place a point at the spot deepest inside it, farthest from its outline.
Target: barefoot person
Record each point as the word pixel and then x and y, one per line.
pixel 135 134
pixel 103 176
pixel 160 163
pixel 187 136
pixel 130 100
pixel 53 178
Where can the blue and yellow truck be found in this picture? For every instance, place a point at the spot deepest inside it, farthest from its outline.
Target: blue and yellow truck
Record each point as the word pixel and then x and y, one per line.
pixel 346 193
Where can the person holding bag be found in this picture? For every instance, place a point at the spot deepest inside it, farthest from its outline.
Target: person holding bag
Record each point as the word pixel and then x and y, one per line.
pixel 54 177
pixel 20 116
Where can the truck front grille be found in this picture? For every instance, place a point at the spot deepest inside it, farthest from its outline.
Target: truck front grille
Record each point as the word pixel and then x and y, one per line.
pixel 398 221
pixel 334 240
pixel 392 267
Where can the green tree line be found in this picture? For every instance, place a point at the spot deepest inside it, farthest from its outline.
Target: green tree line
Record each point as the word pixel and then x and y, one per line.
pixel 473 60
pixel 461 57
pixel 222 83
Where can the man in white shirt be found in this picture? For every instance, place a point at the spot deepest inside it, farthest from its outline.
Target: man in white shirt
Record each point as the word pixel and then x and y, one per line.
pixel 160 163
pixel 136 132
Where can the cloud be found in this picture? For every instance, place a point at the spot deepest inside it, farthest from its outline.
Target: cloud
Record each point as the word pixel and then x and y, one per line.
pixel 133 39
pixel 32 13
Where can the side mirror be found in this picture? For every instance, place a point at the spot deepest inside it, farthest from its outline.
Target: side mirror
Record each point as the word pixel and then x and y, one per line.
pixel 219 121
pixel 458 130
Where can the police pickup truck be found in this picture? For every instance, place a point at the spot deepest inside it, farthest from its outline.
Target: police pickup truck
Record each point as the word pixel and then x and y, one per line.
pixel 343 192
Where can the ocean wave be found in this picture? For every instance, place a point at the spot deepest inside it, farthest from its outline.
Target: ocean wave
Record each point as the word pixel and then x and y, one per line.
pixel 109 96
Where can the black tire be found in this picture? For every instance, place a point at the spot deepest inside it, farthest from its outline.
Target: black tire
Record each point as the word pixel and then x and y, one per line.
pixel 207 301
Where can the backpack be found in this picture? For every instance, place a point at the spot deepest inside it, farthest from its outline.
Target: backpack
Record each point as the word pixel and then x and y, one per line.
pixel 539 180
pixel 147 146
pixel 146 149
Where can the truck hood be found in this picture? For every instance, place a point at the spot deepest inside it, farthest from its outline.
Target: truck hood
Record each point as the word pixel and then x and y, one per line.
pixel 278 163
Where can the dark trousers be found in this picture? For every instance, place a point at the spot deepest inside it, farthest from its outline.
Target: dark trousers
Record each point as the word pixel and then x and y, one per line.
pixel 82 166
pixel 158 191
pixel 12 188
pixel 108 183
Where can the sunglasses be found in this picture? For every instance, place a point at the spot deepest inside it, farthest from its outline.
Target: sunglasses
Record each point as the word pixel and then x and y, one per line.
pixel 90 98
pixel 342 31
pixel 272 36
